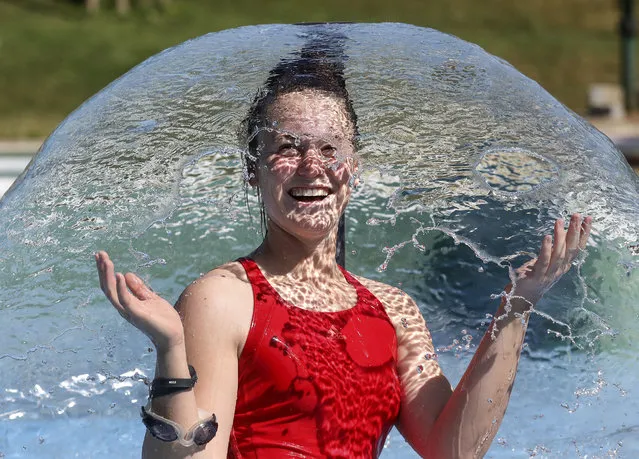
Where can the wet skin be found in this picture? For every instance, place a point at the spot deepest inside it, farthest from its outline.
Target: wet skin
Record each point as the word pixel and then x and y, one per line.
pixel 303 173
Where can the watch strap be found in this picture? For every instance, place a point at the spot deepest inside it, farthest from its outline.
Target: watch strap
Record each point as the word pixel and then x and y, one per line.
pixel 165 386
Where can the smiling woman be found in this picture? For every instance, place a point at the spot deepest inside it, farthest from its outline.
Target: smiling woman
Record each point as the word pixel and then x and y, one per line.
pixel 295 355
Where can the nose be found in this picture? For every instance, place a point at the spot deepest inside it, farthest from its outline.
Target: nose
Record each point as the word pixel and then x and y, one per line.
pixel 312 163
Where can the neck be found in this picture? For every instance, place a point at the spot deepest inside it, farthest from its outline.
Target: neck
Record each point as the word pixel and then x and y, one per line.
pixel 303 259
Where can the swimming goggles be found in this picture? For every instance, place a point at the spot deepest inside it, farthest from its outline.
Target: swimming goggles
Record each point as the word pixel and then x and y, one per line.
pixel 164 429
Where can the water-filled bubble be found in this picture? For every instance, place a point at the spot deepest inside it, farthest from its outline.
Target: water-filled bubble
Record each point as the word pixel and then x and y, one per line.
pixel 465 164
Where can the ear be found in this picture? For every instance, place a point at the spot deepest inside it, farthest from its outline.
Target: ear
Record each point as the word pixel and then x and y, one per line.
pixel 252 177
pixel 354 172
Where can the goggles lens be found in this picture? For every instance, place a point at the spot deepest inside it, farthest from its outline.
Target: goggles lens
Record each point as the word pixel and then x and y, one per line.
pixel 163 431
pixel 205 432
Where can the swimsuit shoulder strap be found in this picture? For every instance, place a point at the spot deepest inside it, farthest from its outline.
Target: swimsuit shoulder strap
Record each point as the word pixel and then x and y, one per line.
pixel 252 270
pixel 263 302
pixel 364 295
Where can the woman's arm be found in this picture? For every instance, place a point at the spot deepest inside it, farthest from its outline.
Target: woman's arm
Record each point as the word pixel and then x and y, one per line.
pixel 442 424
pixel 472 415
pixel 206 329
pixel 212 333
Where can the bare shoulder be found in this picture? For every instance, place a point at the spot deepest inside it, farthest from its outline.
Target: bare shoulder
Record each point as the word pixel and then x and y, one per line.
pixel 231 274
pixel 219 286
pixel 396 302
pixel 219 302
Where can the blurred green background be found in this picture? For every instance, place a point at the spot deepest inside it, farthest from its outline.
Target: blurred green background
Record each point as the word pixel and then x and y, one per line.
pixel 54 54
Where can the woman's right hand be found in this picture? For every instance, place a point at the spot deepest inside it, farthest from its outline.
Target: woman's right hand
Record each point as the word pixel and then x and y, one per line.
pixel 140 306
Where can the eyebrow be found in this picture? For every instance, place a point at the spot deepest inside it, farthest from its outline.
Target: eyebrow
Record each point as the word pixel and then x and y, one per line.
pixel 286 136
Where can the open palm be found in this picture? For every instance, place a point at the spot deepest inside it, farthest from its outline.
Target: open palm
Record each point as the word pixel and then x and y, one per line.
pixel 555 258
pixel 139 305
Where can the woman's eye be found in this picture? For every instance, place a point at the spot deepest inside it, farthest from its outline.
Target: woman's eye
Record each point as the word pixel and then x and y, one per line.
pixel 329 151
pixel 287 148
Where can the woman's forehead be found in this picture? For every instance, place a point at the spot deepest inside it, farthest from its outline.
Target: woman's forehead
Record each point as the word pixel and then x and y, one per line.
pixel 291 136
pixel 310 113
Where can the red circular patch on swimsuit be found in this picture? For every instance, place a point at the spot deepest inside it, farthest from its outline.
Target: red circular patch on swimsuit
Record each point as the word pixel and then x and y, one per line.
pixel 369 340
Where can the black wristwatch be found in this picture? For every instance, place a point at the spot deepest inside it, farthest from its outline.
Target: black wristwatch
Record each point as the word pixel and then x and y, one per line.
pixel 166 386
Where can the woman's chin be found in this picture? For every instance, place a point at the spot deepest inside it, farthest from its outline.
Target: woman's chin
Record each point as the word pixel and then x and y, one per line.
pixel 313 226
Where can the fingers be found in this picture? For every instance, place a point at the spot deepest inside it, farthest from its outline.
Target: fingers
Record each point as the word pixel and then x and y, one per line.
pixel 555 258
pixel 572 237
pixel 586 226
pixel 116 286
pixel 125 297
pixel 558 253
pixel 138 288
pixel 543 260
pixel 577 235
pixel 559 246
pixel 106 273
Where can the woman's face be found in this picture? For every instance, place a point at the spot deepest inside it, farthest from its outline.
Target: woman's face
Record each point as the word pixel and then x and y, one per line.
pixel 306 162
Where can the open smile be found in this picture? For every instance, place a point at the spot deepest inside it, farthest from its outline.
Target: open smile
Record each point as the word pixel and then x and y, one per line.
pixel 309 194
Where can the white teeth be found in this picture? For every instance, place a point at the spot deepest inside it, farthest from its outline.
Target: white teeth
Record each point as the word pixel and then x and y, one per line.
pixel 310 192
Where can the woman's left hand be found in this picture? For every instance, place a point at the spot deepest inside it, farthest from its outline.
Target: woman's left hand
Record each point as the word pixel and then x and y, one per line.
pixel 555 258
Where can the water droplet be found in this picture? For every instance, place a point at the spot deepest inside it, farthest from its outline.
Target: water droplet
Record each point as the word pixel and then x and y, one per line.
pixel 404 322
pixel 420 369
pixel 480 269
pixel 490 400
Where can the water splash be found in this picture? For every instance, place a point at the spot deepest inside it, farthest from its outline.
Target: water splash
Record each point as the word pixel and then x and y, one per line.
pixel 465 165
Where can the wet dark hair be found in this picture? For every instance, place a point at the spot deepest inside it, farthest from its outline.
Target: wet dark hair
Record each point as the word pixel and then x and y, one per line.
pixel 318 67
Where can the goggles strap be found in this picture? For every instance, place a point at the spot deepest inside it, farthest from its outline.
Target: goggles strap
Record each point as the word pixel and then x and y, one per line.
pixel 166 386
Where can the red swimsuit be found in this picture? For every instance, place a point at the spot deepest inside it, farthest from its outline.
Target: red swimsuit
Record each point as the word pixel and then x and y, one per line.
pixel 315 384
